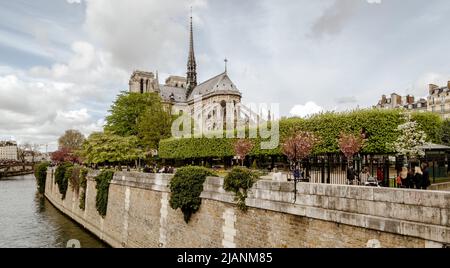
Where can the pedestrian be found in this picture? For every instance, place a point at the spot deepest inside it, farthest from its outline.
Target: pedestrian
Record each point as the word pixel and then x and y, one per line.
pixel 364 176
pixel 350 175
pixel 410 179
pixel 418 177
pixel 426 177
pixel 296 173
pixel 404 177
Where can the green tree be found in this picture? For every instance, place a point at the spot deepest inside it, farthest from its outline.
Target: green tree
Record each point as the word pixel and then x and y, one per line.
pixel 154 124
pixel 446 132
pixel 71 140
pixel 106 147
pixel 126 110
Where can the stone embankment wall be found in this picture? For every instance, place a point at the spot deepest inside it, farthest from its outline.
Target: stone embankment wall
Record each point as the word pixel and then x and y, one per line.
pixel 139 215
pixel 445 186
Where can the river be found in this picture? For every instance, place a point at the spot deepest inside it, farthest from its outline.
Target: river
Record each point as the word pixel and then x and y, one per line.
pixel 28 220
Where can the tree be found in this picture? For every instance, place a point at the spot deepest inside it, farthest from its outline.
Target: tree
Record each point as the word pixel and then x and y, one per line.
pixel 126 110
pixel 350 144
pixel 299 146
pixel 106 147
pixel 64 155
pixel 242 148
pixel 446 132
pixel 410 141
pixel 154 124
pixel 72 140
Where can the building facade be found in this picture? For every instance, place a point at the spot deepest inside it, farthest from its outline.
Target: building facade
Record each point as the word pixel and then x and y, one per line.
pixel 182 94
pixel 407 102
pixel 439 100
pixel 8 150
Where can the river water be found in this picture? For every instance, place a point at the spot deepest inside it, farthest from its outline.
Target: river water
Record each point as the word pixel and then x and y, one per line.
pixel 28 220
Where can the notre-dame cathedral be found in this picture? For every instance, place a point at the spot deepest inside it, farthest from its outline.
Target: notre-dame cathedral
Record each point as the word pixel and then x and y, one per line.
pixel 179 93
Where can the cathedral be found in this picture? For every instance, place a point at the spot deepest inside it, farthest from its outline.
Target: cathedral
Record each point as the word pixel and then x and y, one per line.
pixel 180 93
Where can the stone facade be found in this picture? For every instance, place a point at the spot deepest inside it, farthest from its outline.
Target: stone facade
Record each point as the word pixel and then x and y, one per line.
pixel 139 215
pixel 439 100
pixel 8 150
pixel 407 102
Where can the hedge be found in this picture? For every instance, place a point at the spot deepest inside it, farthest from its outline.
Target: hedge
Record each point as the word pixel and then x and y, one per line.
pixel 381 126
pixel 40 172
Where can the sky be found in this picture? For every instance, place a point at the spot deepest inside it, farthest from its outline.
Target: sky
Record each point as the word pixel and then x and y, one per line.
pixel 63 62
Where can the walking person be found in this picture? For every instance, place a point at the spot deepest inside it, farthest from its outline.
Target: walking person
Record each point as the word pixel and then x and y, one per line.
pixel 364 176
pixel 418 177
pixel 425 177
pixel 350 175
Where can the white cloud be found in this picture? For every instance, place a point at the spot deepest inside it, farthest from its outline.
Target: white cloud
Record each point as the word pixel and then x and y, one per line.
pixel 309 108
pixel 74 1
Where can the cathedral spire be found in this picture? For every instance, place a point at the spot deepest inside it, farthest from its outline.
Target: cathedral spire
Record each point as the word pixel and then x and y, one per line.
pixel 191 65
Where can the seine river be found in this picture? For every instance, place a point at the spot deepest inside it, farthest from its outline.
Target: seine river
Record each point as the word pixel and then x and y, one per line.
pixel 29 220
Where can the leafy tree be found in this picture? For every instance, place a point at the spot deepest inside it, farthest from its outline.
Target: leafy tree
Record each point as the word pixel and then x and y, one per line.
pixel 71 140
pixel 242 148
pixel 105 147
pixel 126 110
pixel 446 132
pixel 154 124
pixel 64 155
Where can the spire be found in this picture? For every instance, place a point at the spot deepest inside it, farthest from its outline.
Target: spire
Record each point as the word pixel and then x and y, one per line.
pixel 191 65
pixel 226 61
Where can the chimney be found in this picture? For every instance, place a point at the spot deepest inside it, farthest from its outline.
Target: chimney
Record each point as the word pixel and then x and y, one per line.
pixel 432 87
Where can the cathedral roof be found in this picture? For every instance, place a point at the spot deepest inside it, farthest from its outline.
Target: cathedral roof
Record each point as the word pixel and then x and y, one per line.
pixel 219 83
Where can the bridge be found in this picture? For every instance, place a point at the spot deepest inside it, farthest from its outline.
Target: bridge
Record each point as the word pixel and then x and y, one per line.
pixel 15 168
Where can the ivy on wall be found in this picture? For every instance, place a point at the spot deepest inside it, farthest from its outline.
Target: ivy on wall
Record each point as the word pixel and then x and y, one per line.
pixel 239 180
pixel 83 186
pixel 186 187
pixel 40 173
pixel 103 179
pixel 380 125
pixel 62 175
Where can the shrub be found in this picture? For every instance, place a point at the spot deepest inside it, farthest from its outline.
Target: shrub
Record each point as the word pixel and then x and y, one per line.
pixel 61 179
pixel 103 180
pixel 83 186
pixel 40 172
pixel 186 187
pixel 239 180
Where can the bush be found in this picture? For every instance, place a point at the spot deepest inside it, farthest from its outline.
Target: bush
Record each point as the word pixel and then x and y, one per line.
pixel 239 180
pixel 103 180
pixel 380 125
pixel 40 172
pixel 186 187
pixel 61 179
pixel 74 179
pixel 83 186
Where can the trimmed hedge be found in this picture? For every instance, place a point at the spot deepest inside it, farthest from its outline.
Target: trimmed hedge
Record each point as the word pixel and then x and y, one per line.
pixel 186 187
pixel 381 126
pixel 40 173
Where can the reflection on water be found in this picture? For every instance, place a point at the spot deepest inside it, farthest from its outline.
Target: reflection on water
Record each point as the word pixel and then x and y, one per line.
pixel 29 220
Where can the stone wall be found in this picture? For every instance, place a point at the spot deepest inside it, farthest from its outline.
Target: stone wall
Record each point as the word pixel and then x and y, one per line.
pixel 139 215
pixel 445 186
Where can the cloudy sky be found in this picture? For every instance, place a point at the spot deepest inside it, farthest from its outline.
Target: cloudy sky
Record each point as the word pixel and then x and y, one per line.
pixel 62 62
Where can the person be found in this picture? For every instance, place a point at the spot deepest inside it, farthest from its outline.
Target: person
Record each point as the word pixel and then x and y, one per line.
pixel 426 177
pixel 418 177
pixel 403 177
pixel 410 179
pixel 380 175
pixel 350 175
pixel 296 173
pixel 364 176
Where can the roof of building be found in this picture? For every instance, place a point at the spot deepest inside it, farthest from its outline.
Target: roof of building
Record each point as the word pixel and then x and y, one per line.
pixel 219 83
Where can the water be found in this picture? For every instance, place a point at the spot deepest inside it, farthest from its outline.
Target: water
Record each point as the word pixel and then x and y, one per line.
pixel 28 220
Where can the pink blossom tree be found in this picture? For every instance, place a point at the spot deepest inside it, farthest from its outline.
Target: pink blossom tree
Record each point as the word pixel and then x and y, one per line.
pixel 299 146
pixel 242 148
pixel 350 144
